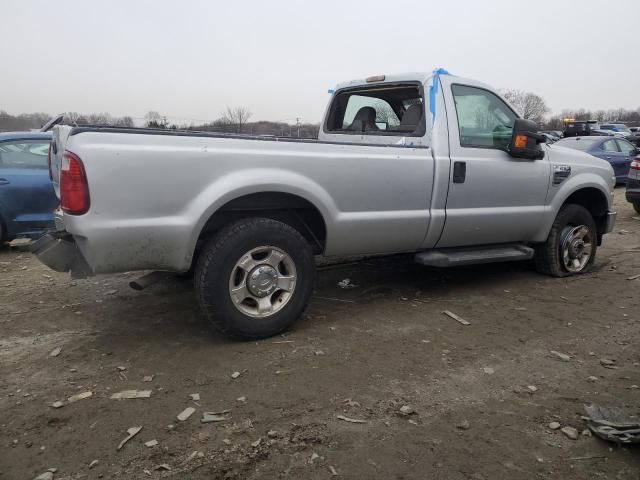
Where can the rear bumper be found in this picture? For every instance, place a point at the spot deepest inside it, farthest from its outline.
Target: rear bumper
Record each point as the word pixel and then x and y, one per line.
pixel 59 252
pixel 633 190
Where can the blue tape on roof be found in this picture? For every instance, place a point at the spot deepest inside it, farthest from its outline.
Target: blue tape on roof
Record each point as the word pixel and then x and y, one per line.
pixel 331 91
pixel 433 90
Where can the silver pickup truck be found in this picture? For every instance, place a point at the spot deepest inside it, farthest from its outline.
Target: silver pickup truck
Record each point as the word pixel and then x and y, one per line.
pixel 430 163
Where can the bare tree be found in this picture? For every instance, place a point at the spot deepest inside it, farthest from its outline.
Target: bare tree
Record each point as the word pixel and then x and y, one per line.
pixel 236 117
pixel 155 120
pixel 529 105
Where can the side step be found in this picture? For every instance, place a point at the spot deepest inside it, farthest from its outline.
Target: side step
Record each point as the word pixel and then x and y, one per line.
pixel 453 257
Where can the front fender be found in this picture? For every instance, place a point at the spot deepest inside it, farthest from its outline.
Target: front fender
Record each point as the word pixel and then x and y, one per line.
pixel 558 195
pixel 257 180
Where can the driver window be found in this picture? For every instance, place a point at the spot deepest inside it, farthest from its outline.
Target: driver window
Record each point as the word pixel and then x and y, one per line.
pixel 484 120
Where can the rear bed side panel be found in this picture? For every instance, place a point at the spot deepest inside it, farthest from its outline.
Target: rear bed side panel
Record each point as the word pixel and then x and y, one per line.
pixel 151 194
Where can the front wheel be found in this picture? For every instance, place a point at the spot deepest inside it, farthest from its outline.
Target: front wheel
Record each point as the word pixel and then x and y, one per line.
pixel 254 278
pixel 571 246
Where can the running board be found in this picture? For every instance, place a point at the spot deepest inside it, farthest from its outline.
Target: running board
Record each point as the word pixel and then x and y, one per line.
pixel 453 257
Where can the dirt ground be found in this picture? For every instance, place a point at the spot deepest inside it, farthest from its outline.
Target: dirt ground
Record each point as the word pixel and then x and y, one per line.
pixel 361 353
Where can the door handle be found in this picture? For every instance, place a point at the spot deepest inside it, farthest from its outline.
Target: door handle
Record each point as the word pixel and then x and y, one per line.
pixel 4 181
pixel 459 172
pixel 608 158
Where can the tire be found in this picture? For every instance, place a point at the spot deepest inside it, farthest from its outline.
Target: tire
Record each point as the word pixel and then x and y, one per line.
pixel 251 258
pixel 636 207
pixel 549 256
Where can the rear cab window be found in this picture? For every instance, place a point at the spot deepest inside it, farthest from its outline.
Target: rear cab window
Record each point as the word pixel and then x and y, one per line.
pixel 26 154
pixel 380 110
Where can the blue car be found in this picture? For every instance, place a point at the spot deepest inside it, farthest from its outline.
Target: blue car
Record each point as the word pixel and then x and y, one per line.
pixel 617 151
pixel 27 198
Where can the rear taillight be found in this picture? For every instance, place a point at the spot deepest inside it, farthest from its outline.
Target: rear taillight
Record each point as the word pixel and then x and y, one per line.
pixel 74 189
pixel 635 165
pixel 49 161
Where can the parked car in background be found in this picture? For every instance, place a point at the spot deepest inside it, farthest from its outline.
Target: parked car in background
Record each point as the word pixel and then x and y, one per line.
pixel 555 133
pixel 618 129
pixel 633 184
pixel 635 129
pixel 550 138
pixel 617 151
pixel 584 128
pixel 27 198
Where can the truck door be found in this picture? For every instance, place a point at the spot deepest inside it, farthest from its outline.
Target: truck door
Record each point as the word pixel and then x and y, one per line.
pixel 493 197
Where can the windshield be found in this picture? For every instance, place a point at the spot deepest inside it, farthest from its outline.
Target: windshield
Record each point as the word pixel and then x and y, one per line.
pixel 577 143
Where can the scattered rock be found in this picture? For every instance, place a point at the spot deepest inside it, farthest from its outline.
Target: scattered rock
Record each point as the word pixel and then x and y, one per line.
pixel 554 425
pixel 272 434
pixel 131 432
pixel 570 432
pixel 93 464
pixel 314 457
pixel 147 378
pixel 163 466
pixel 608 363
pixel 346 283
pixel 562 356
pixel 111 292
pixel 151 443
pixel 532 388
pixel 235 375
pixel 318 353
pixel 257 443
pixel 488 370
pixel 208 417
pixel 79 396
pixel 464 425
pixel 592 379
pixel 121 368
pixel 333 471
pixel 241 399
pixel 586 432
pixel 195 397
pixel 407 410
pixel 186 413
pixel 55 352
pixel 128 394
pixel 57 404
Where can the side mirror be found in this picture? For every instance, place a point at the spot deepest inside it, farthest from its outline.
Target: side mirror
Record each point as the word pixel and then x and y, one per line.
pixel 525 140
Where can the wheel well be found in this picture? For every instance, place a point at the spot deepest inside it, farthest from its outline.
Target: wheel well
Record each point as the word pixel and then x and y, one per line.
pixel 291 209
pixel 593 200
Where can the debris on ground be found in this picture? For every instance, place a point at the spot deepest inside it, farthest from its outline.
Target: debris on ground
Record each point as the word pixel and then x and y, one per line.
pixel 235 375
pixel 195 397
pixel 55 352
pixel 79 396
pixel 613 424
pixel 608 363
pixel 570 432
pixel 351 420
pixel 57 404
pixel 45 476
pixel 272 434
pixel 20 243
pixel 592 378
pixel 241 399
pixel 351 403
pixel 333 471
pixel 554 425
pixel 633 277
pixel 257 443
pixel 128 394
pixel 147 378
pixel 562 356
pixel 346 283
pixel 208 417
pixel 162 466
pixel 532 388
pixel 314 457
pixel 488 370
pixel 456 317
pixel 131 432
pixel 151 443
pixel 186 413
pixel 93 464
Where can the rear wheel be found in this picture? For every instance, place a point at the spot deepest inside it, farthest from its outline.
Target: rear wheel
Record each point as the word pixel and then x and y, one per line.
pixel 636 206
pixel 571 246
pixel 254 278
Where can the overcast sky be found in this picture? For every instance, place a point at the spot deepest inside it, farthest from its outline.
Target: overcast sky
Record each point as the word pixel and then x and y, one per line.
pixel 190 59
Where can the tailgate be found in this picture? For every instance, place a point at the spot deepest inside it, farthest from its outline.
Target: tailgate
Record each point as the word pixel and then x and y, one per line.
pixel 58 144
